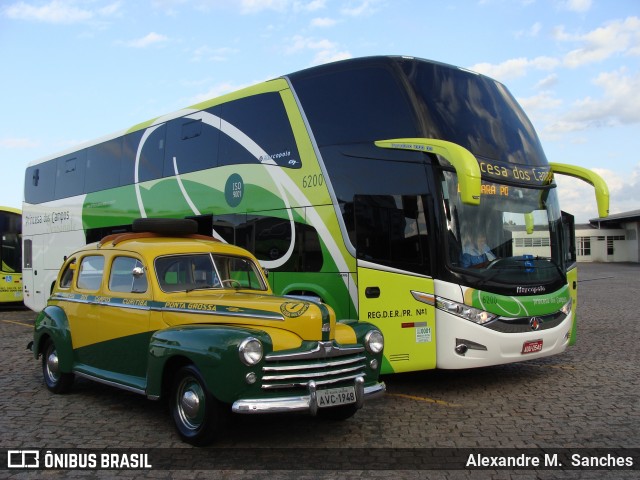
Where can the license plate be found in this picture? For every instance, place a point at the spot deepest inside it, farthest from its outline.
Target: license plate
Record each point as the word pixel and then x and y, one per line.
pixel 336 396
pixel 532 347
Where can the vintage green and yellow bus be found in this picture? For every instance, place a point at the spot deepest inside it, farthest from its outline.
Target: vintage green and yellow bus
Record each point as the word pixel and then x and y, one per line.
pixel 367 183
pixel 11 255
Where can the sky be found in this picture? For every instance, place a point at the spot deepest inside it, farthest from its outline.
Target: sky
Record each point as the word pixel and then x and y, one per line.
pixel 77 70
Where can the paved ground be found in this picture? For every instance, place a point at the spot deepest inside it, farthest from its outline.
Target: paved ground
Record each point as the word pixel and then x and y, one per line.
pixel 588 397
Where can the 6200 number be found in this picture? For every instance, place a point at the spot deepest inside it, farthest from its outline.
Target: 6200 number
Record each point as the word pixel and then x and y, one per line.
pixel 316 180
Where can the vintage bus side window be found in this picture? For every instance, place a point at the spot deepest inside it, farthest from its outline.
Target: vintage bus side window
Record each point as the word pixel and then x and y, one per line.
pixel 103 166
pixel 67 275
pixel 91 269
pixel 193 143
pixel 261 120
pixel 122 278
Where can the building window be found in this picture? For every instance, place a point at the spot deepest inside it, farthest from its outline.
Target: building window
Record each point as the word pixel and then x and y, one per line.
pixel 610 241
pixel 583 246
pixel 532 242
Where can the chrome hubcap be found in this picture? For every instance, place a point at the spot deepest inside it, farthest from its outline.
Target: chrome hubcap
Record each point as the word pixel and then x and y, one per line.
pixel 190 401
pixel 52 366
pixel 190 404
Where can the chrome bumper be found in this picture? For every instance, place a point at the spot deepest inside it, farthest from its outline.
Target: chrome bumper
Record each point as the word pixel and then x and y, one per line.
pixel 303 403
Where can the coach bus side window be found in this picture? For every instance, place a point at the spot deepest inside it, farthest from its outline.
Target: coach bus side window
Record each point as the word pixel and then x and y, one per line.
pixel 130 144
pixel 193 143
pixel 259 120
pixel 27 253
pixel 151 161
pixel 40 182
pixel 70 174
pixel 103 166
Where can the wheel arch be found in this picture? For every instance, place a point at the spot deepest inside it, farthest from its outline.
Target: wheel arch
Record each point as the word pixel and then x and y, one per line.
pixel 212 349
pixel 52 323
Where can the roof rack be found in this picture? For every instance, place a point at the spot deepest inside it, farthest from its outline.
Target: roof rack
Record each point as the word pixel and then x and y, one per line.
pixel 116 238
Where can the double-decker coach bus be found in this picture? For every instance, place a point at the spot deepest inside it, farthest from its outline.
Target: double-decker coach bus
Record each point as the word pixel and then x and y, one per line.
pixel 408 193
pixel 10 255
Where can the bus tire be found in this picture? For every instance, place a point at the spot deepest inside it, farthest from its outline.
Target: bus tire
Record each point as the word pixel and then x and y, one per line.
pixel 56 381
pixel 165 226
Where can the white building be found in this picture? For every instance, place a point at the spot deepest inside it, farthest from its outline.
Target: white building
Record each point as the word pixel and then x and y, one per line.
pixel 611 239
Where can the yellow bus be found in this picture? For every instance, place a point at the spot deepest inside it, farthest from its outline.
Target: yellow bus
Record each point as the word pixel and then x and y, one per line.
pixel 11 255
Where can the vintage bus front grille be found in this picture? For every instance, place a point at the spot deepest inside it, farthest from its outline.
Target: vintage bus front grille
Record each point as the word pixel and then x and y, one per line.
pixel 326 364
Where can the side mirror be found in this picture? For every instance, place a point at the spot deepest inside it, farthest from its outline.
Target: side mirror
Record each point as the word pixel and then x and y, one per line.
pixel 138 272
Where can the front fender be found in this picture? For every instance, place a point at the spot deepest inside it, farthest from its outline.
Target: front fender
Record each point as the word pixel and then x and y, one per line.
pixel 213 349
pixel 52 323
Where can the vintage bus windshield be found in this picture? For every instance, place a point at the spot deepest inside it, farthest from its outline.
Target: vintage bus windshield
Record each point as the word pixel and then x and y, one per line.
pixel 511 238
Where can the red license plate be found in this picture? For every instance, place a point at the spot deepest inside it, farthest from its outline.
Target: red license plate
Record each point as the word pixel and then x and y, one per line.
pixel 532 347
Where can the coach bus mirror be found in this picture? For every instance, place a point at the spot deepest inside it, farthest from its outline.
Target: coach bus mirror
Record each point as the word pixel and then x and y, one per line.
pixel 465 164
pixel 592 178
pixel 528 222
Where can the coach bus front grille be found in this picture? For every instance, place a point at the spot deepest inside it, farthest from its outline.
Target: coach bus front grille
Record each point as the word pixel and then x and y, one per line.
pixel 523 324
pixel 326 364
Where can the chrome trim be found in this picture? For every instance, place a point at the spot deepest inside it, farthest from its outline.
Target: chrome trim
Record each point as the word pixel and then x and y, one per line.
pixel 359 392
pixel 470 345
pixel 275 316
pixel 243 345
pixel 304 403
pixel 269 378
pixel 322 350
pixel 156 308
pixel 285 368
pixel 302 383
pixel 112 383
pixel 375 391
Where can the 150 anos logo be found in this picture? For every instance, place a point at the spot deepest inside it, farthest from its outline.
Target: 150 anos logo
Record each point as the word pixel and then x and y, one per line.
pixel 293 309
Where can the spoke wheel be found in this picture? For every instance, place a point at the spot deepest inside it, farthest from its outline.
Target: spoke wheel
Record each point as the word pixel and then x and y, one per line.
pixel 196 413
pixel 55 380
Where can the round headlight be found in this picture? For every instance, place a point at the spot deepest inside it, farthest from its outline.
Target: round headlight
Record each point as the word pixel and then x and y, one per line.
pixel 374 341
pixel 250 351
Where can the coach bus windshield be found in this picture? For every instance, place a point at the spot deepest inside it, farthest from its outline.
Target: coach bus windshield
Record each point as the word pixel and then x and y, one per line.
pixel 511 240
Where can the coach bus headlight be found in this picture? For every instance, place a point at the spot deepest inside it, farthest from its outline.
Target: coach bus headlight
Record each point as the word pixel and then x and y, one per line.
pixel 464 311
pixel 374 341
pixel 566 308
pixel 250 351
